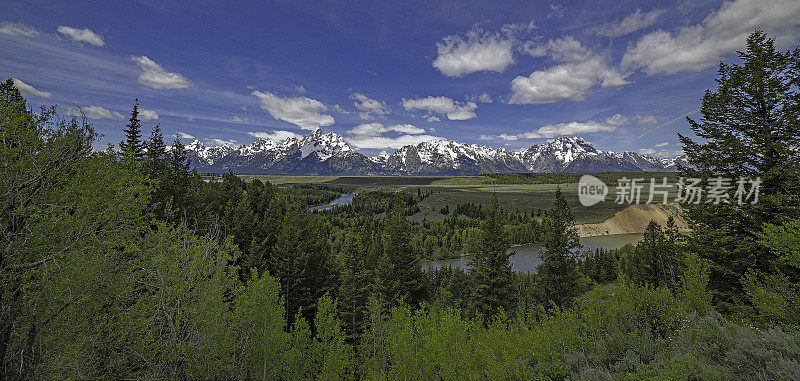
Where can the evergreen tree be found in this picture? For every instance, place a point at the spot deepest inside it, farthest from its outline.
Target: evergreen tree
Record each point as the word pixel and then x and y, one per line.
pixel 400 274
pixel 655 261
pixel 133 147
pixel 749 128
pixel 354 289
pixel 558 279
pixel 490 266
pixel 156 155
pixel 179 162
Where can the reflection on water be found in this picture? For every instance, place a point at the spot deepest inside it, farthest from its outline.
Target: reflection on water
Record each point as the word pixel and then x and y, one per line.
pixel 526 257
pixel 344 199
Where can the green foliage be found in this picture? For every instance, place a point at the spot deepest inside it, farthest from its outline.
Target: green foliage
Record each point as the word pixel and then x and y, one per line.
pixel 655 259
pixel 776 295
pixel 133 147
pixel 694 284
pixel 558 279
pixel 749 127
pixel 490 267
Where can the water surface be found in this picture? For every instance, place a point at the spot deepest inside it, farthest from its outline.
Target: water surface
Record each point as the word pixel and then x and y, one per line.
pixel 526 257
pixel 344 199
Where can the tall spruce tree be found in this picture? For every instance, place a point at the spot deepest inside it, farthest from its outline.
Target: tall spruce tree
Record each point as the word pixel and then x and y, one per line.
pixel 133 147
pixel 490 267
pixel 749 128
pixel 156 155
pixel 558 279
pixel 400 273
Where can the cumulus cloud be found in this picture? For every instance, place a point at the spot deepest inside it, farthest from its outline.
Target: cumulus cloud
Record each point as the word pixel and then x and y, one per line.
pixel 276 136
pixel 300 111
pixel 154 76
pixel 572 80
pixel 145 114
pixel 85 35
pixel 339 109
pixel 183 135
pixel 432 118
pixel 700 46
pixel 95 112
pixel 554 130
pixel 17 29
pixel 443 106
pixel 621 120
pixel 369 108
pixel 631 23
pixel 373 129
pixel 29 90
pixel 371 136
pixel 477 51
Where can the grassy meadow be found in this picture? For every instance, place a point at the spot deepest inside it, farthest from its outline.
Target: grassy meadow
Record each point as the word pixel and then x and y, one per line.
pixel 515 192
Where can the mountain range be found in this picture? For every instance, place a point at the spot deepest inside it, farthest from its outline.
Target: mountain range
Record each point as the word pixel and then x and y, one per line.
pixel 327 153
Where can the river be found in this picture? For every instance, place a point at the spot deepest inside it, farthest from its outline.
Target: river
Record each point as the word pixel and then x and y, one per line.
pixel 526 257
pixel 344 199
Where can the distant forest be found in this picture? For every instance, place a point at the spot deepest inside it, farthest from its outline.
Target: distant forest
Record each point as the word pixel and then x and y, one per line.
pixel 126 264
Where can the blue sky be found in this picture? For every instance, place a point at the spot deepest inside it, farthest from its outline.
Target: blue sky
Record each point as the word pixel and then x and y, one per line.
pixel 498 73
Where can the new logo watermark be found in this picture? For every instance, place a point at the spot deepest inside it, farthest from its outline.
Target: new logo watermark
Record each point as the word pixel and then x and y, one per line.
pixel 591 190
pixel 717 190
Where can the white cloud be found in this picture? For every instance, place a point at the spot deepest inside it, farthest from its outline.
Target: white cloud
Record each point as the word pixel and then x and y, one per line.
pixel 184 135
pixel 17 29
pixel 443 106
pixel 300 111
pixel 374 129
pixel 154 76
pixel 556 10
pixel 29 90
pixel 369 136
pixel 383 142
pixel 145 114
pixel 432 118
pixel 483 98
pixel 85 35
pixel 222 142
pixel 237 118
pixel 95 112
pixel 662 144
pixel 276 136
pixel 631 23
pixel 647 151
pixel 697 47
pixel 479 51
pixel 370 108
pixel 646 120
pixel 339 109
pixel 572 80
pixel 554 130
pixel 621 120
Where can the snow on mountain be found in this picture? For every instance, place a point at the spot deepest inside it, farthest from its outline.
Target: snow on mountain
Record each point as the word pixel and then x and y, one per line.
pixel 329 153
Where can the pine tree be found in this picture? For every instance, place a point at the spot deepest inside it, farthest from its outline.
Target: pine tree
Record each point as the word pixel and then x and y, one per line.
pixel 749 128
pixel 354 289
pixel 490 266
pixel 156 155
pixel 399 269
pixel 655 261
pixel 133 147
pixel 179 162
pixel 558 279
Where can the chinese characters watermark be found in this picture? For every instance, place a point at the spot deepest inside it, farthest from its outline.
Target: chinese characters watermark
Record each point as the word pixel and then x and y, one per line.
pixel 715 190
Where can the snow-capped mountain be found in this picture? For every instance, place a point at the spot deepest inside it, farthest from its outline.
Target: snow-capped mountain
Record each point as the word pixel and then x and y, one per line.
pixel 329 154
